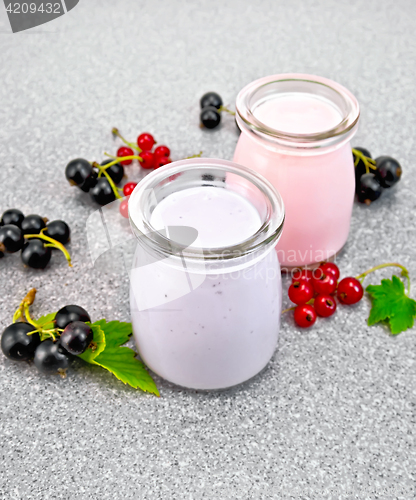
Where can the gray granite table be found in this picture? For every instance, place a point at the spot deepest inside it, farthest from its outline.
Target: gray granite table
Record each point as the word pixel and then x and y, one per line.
pixel 333 414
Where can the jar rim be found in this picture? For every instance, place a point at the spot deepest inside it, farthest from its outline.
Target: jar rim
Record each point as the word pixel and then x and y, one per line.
pixel 266 236
pixel 350 112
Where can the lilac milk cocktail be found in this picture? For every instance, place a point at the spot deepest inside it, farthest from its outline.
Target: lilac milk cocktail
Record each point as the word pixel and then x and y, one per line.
pixel 206 312
pixel 296 131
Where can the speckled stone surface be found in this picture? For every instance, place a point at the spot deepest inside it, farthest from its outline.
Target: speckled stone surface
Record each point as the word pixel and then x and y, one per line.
pixel 333 414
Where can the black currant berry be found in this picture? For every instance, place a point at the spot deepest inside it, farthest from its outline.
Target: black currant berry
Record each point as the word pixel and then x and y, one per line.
pixel 80 172
pixel 210 117
pixel 50 357
pixel 32 224
pixel 69 314
pixel 93 179
pixel 360 167
pixel 102 192
pixel 17 344
pixel 388 171
pixel 76 337
pixel 210 99
pixel 369 189
pixel 12 216
pixel 35 254
pixel 58 230
pixel 11 238
pixel 116 171
pixel 364 151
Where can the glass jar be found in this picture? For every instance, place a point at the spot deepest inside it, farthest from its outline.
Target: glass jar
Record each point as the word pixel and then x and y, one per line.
pixel 205 285
pixel 295 130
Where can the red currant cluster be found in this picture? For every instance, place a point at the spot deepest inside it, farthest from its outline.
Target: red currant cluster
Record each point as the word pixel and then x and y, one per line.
pixel 148 159
pixel 313 292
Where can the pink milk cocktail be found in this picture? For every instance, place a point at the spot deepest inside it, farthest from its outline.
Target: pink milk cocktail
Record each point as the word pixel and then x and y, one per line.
pixel 205 286
pixel 296 131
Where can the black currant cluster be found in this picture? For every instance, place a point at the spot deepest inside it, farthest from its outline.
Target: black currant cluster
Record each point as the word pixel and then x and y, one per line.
pixel 90 177
pixel 211 107
pixel 372 176
pixel 21 341
pixel 18 232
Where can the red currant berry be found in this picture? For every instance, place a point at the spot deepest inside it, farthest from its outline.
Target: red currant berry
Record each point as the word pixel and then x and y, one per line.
pixel 124 208
pixel 128 188
pixel 325 305
pixel 125 151
pixel 145 141
pixel 159 162
pixel 148 159
pixel 302 275
pixel 324 283
pixel 350 291
pixel 300 292
pixel 305 315
pixel 330 268
pixel 162 151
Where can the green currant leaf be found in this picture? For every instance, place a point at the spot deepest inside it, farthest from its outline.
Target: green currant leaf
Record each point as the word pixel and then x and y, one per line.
pixel 122 363
pixel 116 332
pixel 99 344
pixel 47 322
pixel 390 303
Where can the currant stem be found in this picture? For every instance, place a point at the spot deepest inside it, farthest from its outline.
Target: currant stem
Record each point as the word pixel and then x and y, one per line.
pixel 116 132
pixel 227 110
pixel 117 159
pixel 30 297
pixel 46 334
pixel 368 162
pixel 29 318
pixel 288 309
pixel 54 243
pixel 194 156
pixel 28 300
pixel 17 314
pixel 404 273
pixel 23 310
pixel 294 307
pixel 110 180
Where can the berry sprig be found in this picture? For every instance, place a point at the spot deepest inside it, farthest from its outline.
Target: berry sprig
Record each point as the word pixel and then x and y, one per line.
pixel 52 340
pixel 99 180
pixel 372 176
pixel 314 292
pixel 145 142
pixel 33 236
pixel 211 107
